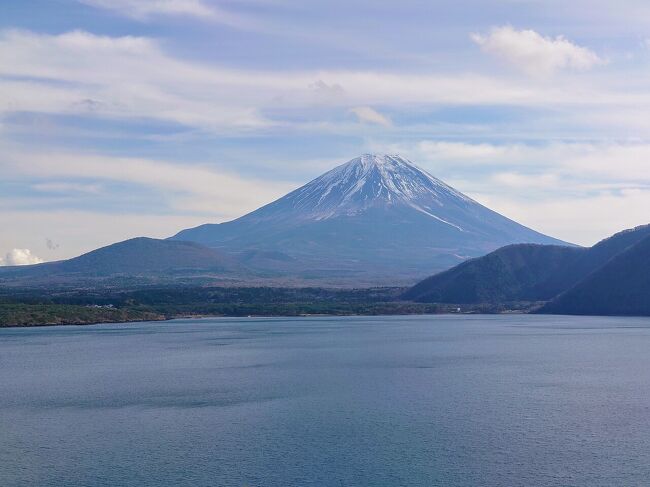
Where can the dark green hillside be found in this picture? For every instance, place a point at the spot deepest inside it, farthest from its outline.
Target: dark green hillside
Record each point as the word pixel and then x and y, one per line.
pixel 620 287
pixel 523 272
pixel 512 273
pixel 594 258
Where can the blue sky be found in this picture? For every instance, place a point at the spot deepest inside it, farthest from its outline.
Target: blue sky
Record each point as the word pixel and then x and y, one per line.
pixel 121 118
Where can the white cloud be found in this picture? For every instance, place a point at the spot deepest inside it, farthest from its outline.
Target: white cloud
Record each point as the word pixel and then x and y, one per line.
pixel 583 220
pixel 123 77
pixel 145 10
pixel 534 53
pixel 132 77
pixel 593 162
pixel 459 152
pixel 324 93
pixel 20 257
pixel 370 115
pixel 194 188
pixel 520 181
pixel 81 230
pixel 579 192
pixel 67 187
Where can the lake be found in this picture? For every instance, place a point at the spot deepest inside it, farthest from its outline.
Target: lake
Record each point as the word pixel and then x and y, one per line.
pixel 455 400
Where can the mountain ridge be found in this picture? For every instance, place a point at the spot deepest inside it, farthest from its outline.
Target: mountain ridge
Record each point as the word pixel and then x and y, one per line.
pixel 135 257
pixel 621 286
pixel 376 213
pixel 375 220
pixel 527 272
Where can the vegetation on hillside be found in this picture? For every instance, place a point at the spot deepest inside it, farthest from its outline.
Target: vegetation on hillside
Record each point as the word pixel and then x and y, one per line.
pixel 82 306
pixel 21 314
pixel 512 273
pixel 620 287
pixel 610 278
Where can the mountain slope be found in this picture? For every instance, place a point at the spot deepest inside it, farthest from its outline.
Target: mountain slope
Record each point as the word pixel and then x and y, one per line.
pixel 135 257
pixel 620 287
pixel 512 273
pixel 523 272
pixel 595 257
pixel 375 215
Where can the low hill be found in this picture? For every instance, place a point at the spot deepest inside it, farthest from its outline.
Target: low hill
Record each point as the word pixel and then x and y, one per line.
pixel 136 257
pixel 523 272
pixel 620 287
pixel 512 273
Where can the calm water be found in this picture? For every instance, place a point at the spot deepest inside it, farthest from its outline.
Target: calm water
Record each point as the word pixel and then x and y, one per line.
pixel 423 401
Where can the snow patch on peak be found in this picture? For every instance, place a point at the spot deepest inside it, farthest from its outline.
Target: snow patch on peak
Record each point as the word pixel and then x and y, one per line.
pixel 389 161
pixel 366 182
pixel 391 176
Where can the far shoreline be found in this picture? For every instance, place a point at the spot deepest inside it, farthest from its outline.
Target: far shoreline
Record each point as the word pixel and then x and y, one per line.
pixel 263 316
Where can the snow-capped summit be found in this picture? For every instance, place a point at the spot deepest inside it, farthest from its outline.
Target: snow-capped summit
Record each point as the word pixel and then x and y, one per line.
pixel 371 181
pixel 368 182
pixel 374 215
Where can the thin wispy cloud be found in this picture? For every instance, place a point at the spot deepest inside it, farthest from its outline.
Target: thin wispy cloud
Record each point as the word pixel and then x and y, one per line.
pixel 201 189
pixel 370 115
pixel 201 11
pixel 146 8
pixel 548 186
pixel 133 77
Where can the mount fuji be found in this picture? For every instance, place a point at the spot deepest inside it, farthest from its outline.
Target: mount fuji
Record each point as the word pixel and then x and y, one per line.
pixel 375 219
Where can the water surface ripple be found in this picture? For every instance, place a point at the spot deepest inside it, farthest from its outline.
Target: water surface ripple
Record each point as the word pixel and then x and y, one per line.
pixel 362 401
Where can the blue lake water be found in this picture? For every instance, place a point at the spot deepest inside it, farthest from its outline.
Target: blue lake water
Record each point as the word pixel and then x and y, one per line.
pixel 388 401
